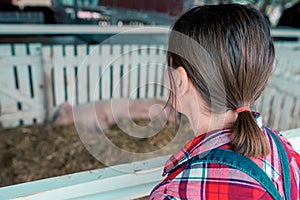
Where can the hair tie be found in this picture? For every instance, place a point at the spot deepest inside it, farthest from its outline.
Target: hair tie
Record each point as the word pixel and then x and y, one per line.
pixel 242 109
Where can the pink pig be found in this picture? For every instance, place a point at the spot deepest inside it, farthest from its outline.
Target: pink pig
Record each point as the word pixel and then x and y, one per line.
pixel 101 115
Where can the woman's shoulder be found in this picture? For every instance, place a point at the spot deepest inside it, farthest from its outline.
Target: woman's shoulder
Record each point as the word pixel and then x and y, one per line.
pixel 210 181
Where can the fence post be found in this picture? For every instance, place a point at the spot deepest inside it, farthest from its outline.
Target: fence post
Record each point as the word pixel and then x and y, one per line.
pixel 47 66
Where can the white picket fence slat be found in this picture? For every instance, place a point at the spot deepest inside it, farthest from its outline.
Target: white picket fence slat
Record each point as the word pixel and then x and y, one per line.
pixel 126 72
pixel 116 62
pixel 82 94
pixel 143 70
pixel 94 72
pixel 133 72
pixel 105 69
pixel 151 70
pixel 46 77
pixel 8 104
pixel 7 82
pixel 161 62
pixel 38 83
pixel 279 103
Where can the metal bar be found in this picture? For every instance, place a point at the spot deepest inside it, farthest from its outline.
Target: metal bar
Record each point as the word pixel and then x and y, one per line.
pixel 38 29
pixel 285 32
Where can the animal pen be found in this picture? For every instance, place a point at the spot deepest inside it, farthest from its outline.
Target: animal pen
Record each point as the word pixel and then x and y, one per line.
pixel 36 78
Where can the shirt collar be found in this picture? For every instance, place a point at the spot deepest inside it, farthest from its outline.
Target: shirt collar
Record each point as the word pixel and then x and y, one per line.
pixel 203 144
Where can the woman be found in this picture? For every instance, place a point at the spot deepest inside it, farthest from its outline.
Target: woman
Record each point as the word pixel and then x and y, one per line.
pixel 220 58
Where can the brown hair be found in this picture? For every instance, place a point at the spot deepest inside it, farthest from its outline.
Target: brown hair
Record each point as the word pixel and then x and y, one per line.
pixel 228 57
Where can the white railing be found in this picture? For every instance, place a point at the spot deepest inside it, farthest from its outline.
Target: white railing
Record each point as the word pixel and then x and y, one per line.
pixel 126 181
pixel 37 29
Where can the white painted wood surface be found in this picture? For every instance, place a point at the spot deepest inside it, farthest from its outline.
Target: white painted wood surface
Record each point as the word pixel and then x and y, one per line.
pixel 33 29
pixel 280 102
pixel 126 181
pixel 49 29
pixel 22 96
pixel 99 72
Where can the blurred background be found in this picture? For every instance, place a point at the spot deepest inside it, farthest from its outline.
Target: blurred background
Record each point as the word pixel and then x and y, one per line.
pixel 280 13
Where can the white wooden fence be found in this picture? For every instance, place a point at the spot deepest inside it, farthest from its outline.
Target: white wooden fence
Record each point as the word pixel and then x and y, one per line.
pixel 35 79
pixel 280 102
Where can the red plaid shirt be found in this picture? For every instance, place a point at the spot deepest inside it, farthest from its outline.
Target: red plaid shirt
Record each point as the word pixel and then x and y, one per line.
pixel 218 181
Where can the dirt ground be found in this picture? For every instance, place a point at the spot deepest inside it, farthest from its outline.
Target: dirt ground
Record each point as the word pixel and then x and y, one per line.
pixel 29 153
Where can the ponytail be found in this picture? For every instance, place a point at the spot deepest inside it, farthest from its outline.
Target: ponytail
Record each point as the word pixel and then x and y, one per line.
pixel 247 138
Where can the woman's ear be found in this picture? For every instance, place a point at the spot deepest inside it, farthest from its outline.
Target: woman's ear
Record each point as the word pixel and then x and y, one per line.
pixel 182 82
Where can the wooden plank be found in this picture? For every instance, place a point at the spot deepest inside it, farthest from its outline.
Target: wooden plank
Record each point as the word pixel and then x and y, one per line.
pixel 258 103
pixel 297 113
pixel 94 64
pixel 144 62
pixel 38 82
pixel 47 67
pixel 126 71
pixel 82 84
pixel 71 90
pixel 116 62
pixel 133 72
pixel 30 107
pixel 37 72
pixel 162 89
pixel 284 85
pixel 19 60
pixel 266 102
pixel 286 115
pixel 69 66
pixel 7 104
pixel 105 68
pixel 58 76
pixel 288 66
pixel 68 60
pixel 82 75
pixel 11 117
pixel 295 116
pixel 24 79
pixel 276 109
pixel 20 96
pixel 152 70
pixel 34 49
pixel 7 80
pixel 6 51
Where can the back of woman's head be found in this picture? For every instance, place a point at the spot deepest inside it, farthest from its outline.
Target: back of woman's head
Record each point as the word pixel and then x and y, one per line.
pixel 228 54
